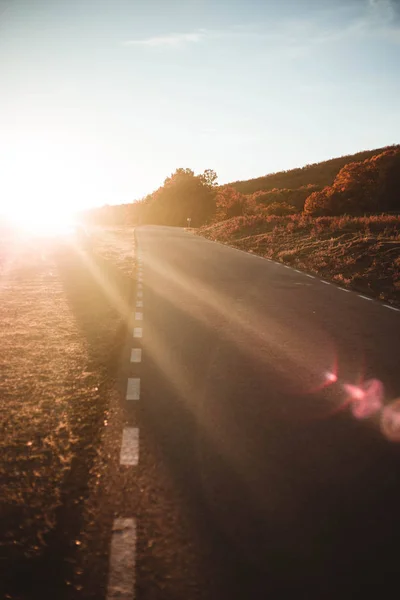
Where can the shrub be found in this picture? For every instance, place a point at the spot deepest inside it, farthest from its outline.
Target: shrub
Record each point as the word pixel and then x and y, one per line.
pixel 361 187
pixel 280 209
pixel 230 203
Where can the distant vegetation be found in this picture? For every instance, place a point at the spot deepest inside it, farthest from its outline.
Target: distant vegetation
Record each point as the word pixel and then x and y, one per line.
pixel 318 174
pixel 364 183
pixel 366 187
pixel 183 195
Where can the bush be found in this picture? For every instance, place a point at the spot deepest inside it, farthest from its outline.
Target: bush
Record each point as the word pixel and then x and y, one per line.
pixel 280 209
pixel 230 203
pixel 361 187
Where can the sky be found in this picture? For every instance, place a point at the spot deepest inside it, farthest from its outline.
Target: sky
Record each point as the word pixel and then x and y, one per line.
pixel 101 100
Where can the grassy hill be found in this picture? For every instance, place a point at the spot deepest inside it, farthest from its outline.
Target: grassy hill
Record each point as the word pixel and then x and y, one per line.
pixel 317 174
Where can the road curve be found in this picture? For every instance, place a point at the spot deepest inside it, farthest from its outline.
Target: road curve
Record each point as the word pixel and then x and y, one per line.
pixel 258 478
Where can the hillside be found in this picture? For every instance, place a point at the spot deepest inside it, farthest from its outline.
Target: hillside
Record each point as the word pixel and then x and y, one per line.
pixel 318 174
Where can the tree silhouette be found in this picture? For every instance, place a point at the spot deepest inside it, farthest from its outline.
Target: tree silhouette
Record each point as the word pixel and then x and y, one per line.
pixel 184 195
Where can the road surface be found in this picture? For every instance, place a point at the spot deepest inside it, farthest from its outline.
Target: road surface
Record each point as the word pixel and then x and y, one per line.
pixel 254 477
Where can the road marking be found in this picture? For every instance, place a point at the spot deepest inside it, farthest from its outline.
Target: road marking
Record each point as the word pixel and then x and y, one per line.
pixel 297 271
pixel 310 276
pixel 139 294
pixel 325 282
pixel 136 355
pixel 130 447
pixel 138 316
pixel 139 303
pixel 137 332
pixel 121 577
pixel 140 286
pixel 133 389
pixel 364 297
pixel 392 307
pixel 343 289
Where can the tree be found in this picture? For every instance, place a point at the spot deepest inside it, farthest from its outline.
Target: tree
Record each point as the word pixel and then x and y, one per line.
pixel 184 195
pixel 230 203
pixel 209 177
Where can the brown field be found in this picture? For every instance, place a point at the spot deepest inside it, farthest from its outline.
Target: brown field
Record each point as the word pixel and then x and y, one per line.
pixel 63 315
pixel 358 252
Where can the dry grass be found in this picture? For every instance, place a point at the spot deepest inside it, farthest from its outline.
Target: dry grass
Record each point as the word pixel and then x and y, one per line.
pixel 62 320
pixel 115 244
pixel 363 253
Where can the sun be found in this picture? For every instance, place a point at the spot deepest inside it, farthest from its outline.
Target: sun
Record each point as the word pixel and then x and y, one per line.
pixel 43 222
pixel 41 186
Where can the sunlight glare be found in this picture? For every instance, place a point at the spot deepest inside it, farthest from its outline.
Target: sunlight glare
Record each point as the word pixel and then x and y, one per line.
pixel 43 223
pixel 43 183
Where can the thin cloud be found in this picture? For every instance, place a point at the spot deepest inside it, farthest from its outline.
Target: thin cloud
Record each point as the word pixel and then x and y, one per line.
pixel 382 19
pixel 371 18
pixel 173 40
pixel 384 10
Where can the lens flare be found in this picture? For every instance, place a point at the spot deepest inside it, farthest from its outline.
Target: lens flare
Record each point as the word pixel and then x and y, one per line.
pixel 330 377
pixel 390 421
pixel 366 399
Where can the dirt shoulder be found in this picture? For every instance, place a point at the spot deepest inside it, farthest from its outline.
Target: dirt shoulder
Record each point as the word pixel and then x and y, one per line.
pixel 359 253
pixel 63 315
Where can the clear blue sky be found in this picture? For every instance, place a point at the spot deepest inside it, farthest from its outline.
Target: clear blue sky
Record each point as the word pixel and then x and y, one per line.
pixel 100 100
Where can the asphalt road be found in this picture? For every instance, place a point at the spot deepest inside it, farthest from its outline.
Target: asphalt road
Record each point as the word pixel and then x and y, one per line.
pixel 255 479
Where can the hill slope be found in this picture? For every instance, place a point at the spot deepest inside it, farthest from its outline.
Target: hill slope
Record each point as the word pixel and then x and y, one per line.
pixel 318 174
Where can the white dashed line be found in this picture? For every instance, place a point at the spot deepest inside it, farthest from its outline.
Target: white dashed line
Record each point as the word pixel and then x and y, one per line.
pixel 130 447
pixel 133 389
pixel 325 282
pixel 137 332
pixel 138 316
pixel 139 294
pixel 364 297
pixel 310 276
pixel 297 271
pixel 140 286
pixel 139 303
pixel 392 307
pixel 136 355
pixel 343 289
pixel 121 577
